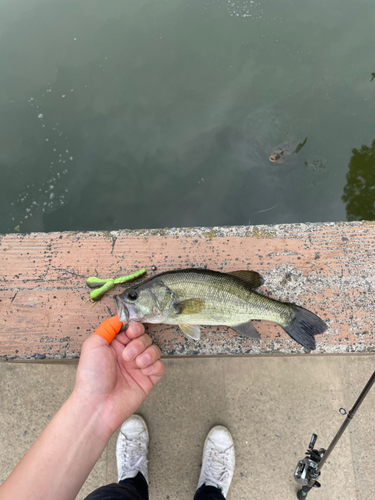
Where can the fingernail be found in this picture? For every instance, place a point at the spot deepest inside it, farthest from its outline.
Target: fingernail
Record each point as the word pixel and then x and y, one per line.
pixel 148 369
pixel 144 359
pixel 137 329
pixel 130 353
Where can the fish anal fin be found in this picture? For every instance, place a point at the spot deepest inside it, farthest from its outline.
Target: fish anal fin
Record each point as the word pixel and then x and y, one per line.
pixel 252 278
pixel 189 306
pixel 247 330
pixel 191 331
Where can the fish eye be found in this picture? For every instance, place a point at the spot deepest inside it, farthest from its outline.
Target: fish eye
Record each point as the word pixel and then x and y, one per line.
pixel 132 295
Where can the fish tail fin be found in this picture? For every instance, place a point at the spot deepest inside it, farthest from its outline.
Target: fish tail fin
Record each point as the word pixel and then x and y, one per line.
pixel 304 326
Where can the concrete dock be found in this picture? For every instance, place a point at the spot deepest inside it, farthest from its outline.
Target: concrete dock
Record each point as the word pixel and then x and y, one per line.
pixel 327 268
pixel 271 404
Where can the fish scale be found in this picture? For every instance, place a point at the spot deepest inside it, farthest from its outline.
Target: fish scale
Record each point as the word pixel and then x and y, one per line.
pixel 227 300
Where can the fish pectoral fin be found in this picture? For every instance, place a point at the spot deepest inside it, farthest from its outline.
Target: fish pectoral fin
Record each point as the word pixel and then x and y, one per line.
pixel 192 331
pixel 247 330
pixel 189 306
pixel 252 278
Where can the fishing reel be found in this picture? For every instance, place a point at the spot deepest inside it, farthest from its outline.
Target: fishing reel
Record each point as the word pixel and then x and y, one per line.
pixel 307 470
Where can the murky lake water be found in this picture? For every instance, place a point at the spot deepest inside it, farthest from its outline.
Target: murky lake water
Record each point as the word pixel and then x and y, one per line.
pixel 140 114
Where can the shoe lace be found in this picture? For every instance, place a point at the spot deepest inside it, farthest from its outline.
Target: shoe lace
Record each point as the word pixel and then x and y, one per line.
pixel 219 468
pixel 132 453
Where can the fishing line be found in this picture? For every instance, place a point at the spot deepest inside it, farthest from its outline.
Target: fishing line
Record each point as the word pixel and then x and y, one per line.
pixel 274 206
pixel 266 209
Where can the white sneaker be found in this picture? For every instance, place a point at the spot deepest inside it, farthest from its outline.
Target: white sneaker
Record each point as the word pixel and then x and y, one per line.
pixel 132 447
pixel 218 460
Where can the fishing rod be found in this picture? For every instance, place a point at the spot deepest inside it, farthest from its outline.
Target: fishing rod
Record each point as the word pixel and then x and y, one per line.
pixel 308 469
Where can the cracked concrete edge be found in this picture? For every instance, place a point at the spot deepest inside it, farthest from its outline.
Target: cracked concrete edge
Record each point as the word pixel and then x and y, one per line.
pixel 261 231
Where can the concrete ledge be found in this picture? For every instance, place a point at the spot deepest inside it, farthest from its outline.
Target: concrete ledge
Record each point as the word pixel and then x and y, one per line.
pixel 327 268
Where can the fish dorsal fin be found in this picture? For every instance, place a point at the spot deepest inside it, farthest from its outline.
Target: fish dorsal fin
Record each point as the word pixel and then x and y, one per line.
pixel 252 278
pixel 191 331
pixel 247 330
pixel 189 306
pixel 300 146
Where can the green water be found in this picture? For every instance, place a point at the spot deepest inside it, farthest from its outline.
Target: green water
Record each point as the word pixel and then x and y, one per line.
pixel 141 114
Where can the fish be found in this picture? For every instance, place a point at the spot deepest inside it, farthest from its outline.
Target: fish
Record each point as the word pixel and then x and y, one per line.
pixel 195 297
pixel 283 152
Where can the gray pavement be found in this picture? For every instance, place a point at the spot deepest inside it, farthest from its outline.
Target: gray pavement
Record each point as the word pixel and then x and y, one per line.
pixel 270 404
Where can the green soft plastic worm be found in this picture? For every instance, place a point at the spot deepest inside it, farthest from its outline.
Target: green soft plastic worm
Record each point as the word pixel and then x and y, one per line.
pixel 94 282
pixel 99 292
pixel 130 277
pixel 107 284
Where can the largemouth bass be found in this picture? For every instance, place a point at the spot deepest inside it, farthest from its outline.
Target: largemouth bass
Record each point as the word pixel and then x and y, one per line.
pixel 192 297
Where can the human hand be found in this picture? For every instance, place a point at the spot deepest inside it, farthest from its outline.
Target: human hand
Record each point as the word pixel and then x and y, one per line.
pixel 114 379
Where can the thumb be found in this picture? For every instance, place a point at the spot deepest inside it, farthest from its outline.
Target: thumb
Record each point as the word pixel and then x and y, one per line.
pixel 109 329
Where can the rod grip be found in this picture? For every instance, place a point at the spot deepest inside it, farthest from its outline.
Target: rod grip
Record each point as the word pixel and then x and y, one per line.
pixel 302 494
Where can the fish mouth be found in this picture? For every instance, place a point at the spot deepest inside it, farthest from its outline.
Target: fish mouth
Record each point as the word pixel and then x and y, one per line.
pixel 125 312
pixel 272 158
pixel 122 311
